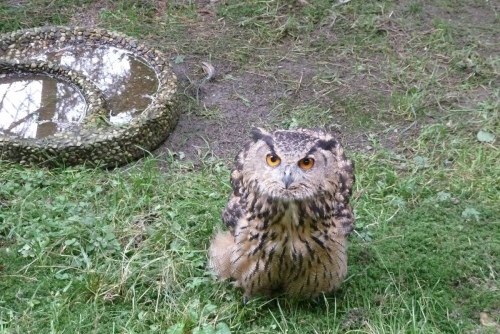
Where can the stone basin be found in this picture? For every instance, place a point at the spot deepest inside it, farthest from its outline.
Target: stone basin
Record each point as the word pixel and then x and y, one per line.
pixel 70 95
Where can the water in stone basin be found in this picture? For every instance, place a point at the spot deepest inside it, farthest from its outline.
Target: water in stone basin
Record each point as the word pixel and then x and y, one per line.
pixel 36 106
pixel 44 105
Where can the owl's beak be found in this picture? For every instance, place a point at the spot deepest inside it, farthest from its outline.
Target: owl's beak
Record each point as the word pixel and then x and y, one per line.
pixel 287 178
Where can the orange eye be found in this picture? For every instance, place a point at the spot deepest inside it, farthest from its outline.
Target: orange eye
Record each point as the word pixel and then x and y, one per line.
pixel 306 163
pixel 273 160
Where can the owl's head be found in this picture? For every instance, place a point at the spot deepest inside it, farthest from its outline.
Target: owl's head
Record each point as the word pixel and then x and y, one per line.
pixel 295 164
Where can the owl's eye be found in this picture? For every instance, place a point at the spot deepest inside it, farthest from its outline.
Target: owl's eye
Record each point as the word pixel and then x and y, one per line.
pixel 306 163
pixel 273 160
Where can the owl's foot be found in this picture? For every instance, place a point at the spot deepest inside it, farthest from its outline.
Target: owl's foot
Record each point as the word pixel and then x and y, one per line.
pixel 246 299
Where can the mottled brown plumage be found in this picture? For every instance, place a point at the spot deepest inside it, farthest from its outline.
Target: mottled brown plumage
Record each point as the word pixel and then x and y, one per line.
pixel 288 216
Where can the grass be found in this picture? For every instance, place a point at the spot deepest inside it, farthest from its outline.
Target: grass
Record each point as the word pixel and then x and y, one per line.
pixel 407 86
pixel 94 251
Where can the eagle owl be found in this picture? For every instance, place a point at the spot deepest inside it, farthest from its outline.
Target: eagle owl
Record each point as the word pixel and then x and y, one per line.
pixel 288 216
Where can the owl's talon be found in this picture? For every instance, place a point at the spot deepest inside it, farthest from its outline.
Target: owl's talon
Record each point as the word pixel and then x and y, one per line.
pixel 318 301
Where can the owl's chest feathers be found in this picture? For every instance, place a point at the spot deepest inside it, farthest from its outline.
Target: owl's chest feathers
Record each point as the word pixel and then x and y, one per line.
pixel 291 229
pixel 288 246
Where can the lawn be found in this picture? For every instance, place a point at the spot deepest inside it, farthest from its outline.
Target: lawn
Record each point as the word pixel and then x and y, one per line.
pixel 412 90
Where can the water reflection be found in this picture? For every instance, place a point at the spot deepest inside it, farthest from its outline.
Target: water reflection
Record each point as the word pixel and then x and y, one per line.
pixel 127 82
pixel 35 106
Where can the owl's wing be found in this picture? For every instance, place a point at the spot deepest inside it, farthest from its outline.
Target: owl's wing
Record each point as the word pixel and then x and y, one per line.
pixel 345 215
pixel 235 208
pixel 344 219
pixel 232 213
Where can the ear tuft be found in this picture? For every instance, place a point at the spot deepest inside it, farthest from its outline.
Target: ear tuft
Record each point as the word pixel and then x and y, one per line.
pixel 327 145
pixel 259 133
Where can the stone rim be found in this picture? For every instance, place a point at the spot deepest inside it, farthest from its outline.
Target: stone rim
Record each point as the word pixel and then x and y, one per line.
pixel 95 142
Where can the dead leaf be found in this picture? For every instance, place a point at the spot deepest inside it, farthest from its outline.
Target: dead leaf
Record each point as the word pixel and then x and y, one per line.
pixel 486 320
pixel 209 70
pixel 485 137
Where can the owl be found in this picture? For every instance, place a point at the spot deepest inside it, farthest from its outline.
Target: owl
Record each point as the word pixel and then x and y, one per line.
pixel 288 216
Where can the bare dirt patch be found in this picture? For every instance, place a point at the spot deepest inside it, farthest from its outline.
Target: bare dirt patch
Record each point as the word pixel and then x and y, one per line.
pixel 228 107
